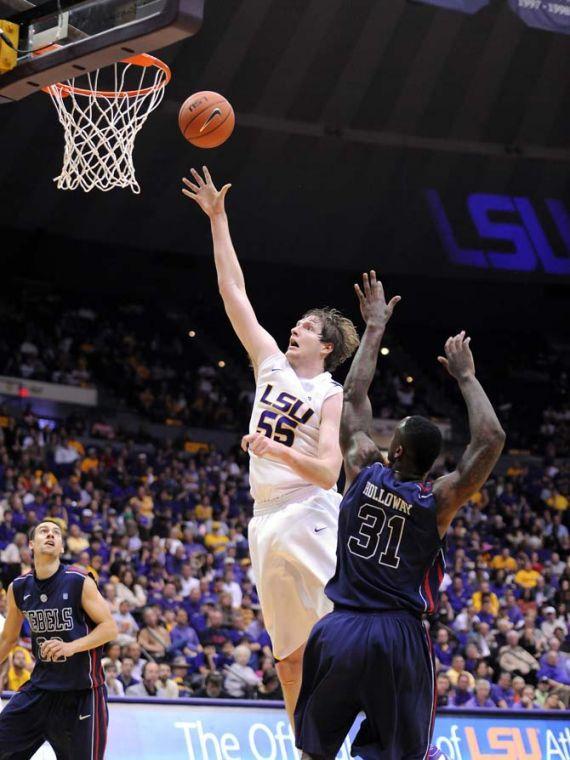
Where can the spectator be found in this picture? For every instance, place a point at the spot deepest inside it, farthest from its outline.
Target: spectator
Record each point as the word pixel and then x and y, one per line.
pixel 133 592
pixel 484 593
pixel 126 676
pixel 112 655
pixel 462 692
pixel 551 622
pixel 444 651
pixel 443 690
pixel 149 684
pixel 77 541
pixel 114 686
pixel 213 687
pixel 482 696
pixel 514 659
pixel 153 637
pixel 553 702
pixel 270 686
pixel 19 671
pixel 554 669
pixel 134 652
pixel 527 700
pixel 167 688
pixel 542 691
pixel 181 676
pixel 126 624
pixel 241 680
pixel 504 561
pixel 457 669
pixel 184 639
pixel 527 577
pixel 502 692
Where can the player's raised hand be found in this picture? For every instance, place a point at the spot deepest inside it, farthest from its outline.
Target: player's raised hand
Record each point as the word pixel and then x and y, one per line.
pixel 373 306
pixel 204 192
pixel 458 359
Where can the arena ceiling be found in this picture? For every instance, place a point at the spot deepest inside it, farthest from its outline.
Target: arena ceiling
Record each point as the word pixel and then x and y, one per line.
pixel 346 109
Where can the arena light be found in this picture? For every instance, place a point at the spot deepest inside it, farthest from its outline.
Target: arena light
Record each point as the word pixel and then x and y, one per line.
pixel 221 363
pixel 409 379
pixel 384 351
pixel 191 333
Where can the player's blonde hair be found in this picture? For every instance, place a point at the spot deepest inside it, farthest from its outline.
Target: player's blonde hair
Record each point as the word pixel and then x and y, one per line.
pixel 338 330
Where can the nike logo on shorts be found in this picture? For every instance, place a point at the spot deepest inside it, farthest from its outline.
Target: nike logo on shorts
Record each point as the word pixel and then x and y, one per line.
pixel 318 530
pixel 26 596
pixel 83 717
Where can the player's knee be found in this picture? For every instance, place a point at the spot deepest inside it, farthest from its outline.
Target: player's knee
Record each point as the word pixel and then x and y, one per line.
pixel 290 669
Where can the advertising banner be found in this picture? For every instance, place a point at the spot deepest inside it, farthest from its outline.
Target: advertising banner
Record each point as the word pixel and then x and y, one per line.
pixel 198 730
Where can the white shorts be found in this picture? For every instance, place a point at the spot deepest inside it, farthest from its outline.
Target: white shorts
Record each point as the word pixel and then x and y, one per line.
pixel 293 555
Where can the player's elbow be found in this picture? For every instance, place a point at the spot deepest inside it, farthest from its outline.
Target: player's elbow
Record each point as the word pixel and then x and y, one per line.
pixel 496 437
pixel 229 289
pixel 113 630
pixel 329 479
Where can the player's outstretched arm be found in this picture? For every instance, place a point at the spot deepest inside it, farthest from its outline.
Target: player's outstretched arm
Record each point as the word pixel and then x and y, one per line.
pixel 358 448
pixel 256 340
pixel 105 627
pixel 322 470
pixel 12 627
pixel 487 436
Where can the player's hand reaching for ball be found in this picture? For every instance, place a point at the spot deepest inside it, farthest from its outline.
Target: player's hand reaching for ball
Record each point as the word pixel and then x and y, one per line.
pixel 458 359
pixel 373 307
pixel 204 192
pixel 54 649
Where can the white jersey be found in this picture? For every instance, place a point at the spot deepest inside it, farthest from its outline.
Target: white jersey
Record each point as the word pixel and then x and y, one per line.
pixel 288 409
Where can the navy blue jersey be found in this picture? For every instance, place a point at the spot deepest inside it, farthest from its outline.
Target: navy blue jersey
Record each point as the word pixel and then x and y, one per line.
pixel 53 609
pixel 389 552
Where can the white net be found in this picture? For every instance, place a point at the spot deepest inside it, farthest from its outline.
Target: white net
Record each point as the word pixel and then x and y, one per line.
pixel 100 126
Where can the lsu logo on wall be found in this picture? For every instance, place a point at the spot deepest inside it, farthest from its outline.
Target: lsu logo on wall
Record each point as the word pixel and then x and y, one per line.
pixel 485 740
pixel 512 233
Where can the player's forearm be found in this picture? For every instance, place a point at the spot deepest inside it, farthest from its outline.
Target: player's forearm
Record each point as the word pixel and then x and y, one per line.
pixel 484 425
pixel 101 634
pixel 228 268
pixel 356 408
pixel 6 646
pixel 322 472
pixel 363 368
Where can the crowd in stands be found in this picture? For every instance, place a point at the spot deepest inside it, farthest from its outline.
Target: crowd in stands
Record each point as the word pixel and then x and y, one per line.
pixel 153 363
pixel 146 358
pixel 165 536
pixel 163 528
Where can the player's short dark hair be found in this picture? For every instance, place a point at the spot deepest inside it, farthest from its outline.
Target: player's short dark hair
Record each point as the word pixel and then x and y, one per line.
pixel 32 531
pixel 422 441
pixel 338 330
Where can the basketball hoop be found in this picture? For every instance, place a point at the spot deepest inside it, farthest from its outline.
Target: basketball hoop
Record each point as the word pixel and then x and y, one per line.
pixel 100 125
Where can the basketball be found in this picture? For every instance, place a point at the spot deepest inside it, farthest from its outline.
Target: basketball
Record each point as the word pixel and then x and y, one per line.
pixel 206 119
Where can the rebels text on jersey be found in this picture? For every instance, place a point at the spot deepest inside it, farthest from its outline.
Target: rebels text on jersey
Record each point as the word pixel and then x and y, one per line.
pixel 389 552
pixel 53 609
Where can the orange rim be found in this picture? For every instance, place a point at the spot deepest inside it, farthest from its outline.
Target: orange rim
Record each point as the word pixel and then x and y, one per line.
pixel 144 60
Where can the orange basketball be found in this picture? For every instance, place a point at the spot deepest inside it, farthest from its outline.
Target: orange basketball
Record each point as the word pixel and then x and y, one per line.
pixel 206 119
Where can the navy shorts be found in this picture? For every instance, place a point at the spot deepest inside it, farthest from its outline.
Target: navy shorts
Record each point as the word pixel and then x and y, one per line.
pixel 379 663
pixel 73 722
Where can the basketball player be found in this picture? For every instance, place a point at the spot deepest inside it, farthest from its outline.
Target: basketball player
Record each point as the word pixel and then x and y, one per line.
pixel 64 702
pixel 372 653
pixel 293 442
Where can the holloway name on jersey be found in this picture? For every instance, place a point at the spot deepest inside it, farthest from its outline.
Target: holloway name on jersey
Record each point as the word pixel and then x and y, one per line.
pixel 287 409
pixel 53 610
pixel 389 553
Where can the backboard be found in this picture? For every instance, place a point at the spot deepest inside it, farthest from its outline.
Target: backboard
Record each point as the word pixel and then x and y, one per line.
pixel 60 39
